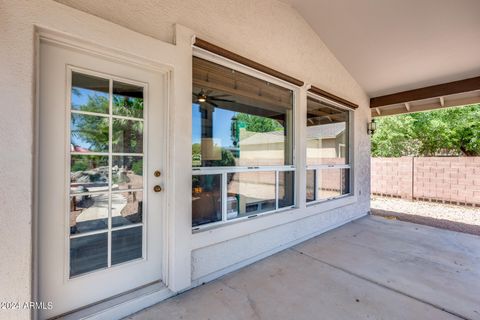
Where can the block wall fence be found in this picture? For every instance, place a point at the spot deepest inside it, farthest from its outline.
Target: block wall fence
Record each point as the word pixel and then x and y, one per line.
pixel 441 179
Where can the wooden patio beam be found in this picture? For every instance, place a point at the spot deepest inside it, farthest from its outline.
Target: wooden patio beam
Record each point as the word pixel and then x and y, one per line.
pixel 436 91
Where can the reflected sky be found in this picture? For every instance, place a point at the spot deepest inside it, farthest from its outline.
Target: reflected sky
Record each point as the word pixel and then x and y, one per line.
pixel 81 97
pixel 221 118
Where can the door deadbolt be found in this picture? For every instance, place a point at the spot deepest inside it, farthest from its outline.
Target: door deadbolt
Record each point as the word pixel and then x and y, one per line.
pixel 157 188
pixel 157 173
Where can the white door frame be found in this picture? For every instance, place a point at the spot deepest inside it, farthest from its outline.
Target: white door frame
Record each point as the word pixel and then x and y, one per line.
pixel 176 251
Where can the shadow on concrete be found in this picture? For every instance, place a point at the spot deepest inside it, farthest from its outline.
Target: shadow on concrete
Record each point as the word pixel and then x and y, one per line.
pixel 432 222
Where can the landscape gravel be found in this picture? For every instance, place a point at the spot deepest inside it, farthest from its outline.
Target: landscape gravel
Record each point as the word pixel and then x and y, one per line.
pixel 447 216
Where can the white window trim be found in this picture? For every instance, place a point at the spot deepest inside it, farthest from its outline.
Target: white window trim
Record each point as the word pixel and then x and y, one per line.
pixel 350 163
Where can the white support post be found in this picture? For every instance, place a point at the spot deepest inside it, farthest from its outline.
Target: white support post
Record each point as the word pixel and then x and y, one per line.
pixel 300 147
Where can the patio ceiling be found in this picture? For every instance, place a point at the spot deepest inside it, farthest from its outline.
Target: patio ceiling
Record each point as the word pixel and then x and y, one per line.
pixel 394 46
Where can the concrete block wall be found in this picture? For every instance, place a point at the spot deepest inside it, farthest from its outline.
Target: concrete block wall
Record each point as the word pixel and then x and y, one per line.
pixel 392 177
pixel 444 179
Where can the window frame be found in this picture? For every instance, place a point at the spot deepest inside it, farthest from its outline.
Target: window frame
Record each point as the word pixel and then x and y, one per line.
pixel 350 163
pixel 224 171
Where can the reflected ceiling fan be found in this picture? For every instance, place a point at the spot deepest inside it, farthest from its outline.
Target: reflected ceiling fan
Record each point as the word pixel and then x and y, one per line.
pixel 205 97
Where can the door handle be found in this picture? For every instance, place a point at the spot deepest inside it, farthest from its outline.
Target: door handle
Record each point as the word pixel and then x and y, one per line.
pixel 157 188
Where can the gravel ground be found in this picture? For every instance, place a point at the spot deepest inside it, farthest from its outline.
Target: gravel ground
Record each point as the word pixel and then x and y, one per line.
pixel 446 216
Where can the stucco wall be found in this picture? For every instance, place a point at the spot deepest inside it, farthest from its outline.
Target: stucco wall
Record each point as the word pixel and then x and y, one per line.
pixel 266 31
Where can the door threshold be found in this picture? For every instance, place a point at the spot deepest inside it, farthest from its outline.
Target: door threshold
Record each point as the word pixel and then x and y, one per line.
pixel 122 305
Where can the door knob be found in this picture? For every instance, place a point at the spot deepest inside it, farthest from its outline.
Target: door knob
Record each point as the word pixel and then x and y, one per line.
pixel 157 188
pixel 157 173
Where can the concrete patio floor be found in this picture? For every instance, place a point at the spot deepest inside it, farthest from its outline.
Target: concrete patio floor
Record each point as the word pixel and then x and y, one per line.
pixel 372 268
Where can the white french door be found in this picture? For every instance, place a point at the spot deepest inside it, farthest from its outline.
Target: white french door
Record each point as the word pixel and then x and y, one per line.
pixel 101 155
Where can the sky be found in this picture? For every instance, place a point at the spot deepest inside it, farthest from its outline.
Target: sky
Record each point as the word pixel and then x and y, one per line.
pixel 221 130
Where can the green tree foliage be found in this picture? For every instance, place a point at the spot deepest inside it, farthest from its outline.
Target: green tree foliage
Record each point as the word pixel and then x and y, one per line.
pixel 196 155
pixel 95 129
pixel 452 131
pixel 137 167
pixel 258 124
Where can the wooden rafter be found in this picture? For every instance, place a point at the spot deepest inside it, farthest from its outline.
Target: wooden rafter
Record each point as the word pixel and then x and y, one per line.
pixel 436 91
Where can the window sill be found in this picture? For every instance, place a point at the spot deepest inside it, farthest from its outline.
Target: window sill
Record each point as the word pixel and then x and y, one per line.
pixel 323 201
pixel 224 232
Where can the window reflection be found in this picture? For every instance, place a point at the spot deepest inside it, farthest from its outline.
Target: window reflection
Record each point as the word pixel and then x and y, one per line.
pixel 127 136
pixel 239 120
pixel 327 133
pixel 127 100
pixel 88 253
pixel 88 173
pixel 333 183
pixel 311 188
pixel 88 213
pixel 89 93
pixel 89 133
pixel 285 189
pixel 126 245
pixel 253 193
pixel 105 186
pixel 206 199
pixel 127 172
pixel 127 208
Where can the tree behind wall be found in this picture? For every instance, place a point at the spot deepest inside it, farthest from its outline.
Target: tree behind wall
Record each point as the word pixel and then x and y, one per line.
pixel 452 131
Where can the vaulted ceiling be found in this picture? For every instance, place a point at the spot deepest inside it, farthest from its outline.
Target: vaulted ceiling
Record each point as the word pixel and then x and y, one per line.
pixel 390 46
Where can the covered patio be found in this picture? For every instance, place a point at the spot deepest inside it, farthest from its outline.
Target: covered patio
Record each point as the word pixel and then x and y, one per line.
pixel 211 159
pixel 372 268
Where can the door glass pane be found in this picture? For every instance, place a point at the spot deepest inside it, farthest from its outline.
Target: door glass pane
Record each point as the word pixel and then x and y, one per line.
pixel 333 183
pixel 286 183
pixel 206 199
pixel 327 133
pixel 253 192
pixel 126 244
pixel 127 208
pixel 239 120
pixel 311 189
pixel 127 172
pixel 106 190
pixel 89 133
pixel 88 213
pixel 88 253
pixel 127 136
pixel 88 173
pixel 89 93
pixel 127 100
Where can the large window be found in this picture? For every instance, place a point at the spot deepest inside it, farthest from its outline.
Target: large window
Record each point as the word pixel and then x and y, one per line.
pixel 328 163
pixel 242 145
